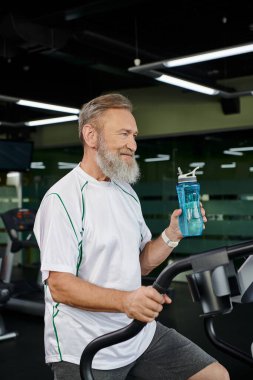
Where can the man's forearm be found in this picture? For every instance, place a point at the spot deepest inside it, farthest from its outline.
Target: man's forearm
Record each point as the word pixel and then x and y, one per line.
pixel 73 291
pixel 154 253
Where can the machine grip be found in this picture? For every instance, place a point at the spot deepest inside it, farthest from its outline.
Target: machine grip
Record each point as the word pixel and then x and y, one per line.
pixel 161 284
pixel 106 340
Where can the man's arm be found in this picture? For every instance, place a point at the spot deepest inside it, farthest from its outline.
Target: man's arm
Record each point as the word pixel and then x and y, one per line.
pixel 143 304
pixel 156 251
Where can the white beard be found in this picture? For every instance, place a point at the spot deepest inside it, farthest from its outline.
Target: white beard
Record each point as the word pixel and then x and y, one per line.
pixel 114 167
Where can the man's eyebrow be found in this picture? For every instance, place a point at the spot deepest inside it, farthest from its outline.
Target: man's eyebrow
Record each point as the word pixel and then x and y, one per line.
pixel 128 130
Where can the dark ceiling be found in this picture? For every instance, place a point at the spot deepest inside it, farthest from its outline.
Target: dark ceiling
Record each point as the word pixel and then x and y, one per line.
pixel 70 51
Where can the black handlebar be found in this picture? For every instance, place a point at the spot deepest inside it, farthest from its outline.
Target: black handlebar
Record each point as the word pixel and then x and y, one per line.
pixel 206 260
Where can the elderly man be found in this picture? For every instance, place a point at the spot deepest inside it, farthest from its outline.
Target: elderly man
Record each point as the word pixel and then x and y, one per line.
pixel 94 247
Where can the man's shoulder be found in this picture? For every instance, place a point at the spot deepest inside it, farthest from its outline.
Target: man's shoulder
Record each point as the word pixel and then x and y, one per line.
pixel 66 193
pixel 65 183
pixel 72 181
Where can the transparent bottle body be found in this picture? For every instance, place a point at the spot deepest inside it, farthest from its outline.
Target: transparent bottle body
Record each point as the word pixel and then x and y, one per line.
pixel 190 221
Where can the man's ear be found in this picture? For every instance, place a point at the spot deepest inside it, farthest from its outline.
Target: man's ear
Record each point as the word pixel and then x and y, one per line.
pixel 90 135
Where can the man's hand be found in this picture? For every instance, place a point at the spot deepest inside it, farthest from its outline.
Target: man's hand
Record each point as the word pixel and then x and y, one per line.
pixel 144 304
pixel 203 212
pixel 173 231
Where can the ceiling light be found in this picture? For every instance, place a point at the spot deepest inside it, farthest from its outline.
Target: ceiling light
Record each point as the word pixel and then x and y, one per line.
pixel 155 159
pixel 53 120
pixel 160 157
pixel 208 56
pixel 46 106
pixel 38 165
pixel 243 149
pixel 232 153
pixel 186 84
pixel 67 165
pixel 197 164
pixel 155 70
pixel 167 156
pixel 228 166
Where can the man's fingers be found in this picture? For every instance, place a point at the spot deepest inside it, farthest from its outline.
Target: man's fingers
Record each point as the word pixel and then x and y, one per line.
pixel 176 212
pixel 155 295
pixel 167 299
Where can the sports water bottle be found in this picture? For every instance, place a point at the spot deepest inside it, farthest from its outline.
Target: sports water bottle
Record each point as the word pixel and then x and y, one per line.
pixel 188 189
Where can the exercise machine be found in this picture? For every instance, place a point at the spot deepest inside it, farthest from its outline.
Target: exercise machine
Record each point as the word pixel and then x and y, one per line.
pixel 6 290
pixel 28 296
pixel 214 282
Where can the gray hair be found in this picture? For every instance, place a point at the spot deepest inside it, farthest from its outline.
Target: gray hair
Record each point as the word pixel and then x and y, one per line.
pixel 92 110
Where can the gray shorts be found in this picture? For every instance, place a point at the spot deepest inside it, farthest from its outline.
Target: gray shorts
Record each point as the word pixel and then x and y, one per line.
pixel 170 356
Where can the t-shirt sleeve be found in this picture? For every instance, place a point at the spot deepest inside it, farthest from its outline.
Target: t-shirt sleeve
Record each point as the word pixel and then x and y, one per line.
pixel 56 236
pixel 146 235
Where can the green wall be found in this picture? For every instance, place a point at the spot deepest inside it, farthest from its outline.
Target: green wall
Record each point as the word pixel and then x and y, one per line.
pixel 162 110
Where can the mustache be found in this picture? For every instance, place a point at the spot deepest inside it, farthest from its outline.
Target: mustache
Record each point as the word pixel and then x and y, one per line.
pixel 127 151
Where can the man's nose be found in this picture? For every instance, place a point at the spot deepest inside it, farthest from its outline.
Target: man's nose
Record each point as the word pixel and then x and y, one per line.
pixel 131 144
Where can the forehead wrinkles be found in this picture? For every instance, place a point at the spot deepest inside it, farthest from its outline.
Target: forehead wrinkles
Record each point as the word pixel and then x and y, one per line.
pixel 117 119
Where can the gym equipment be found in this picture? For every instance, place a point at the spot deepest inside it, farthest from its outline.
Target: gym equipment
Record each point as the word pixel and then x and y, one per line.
pixel 5 293
pixel 214 282
pixel 27 296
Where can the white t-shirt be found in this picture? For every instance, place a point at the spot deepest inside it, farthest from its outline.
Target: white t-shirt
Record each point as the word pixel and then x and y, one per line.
pixel 94 230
